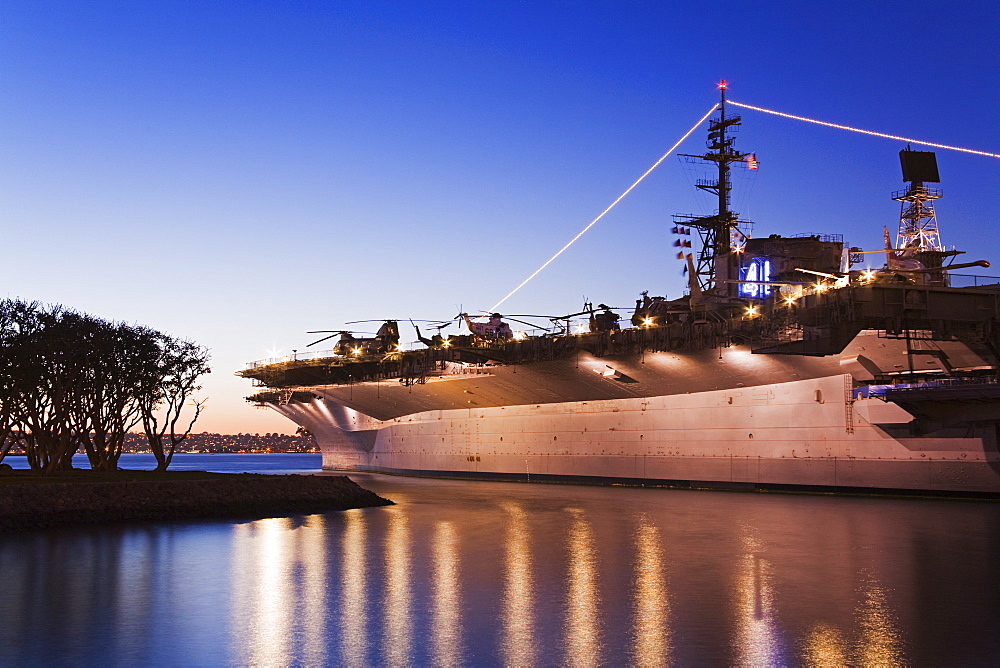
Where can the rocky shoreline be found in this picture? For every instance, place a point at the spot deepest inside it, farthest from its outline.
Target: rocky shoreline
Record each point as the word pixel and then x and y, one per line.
pixel 74 498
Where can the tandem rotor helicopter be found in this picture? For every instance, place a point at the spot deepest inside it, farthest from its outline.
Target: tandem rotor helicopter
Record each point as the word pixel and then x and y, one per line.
pixel 386 339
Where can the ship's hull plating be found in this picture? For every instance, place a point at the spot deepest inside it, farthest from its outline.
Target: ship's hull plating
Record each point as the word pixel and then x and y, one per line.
pixel 809 433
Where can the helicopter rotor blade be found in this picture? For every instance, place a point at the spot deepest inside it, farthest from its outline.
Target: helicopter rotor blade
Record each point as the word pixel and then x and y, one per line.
pixel 588 312
pixel 323 339
pixel 525 322
pixel 355 322
pixel 513 315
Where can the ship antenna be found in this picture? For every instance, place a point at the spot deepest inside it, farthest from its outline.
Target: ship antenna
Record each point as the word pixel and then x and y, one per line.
pixel 724 185
pixel 716 263
pixel 918 228
pixel 918 237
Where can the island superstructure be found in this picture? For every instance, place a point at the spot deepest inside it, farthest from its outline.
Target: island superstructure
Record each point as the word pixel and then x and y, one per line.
pixel 784 367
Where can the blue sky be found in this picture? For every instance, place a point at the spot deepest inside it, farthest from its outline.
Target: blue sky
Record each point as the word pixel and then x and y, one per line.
pixel 238 173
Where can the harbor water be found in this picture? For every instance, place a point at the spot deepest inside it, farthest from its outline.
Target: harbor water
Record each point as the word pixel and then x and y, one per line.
pixel 495 573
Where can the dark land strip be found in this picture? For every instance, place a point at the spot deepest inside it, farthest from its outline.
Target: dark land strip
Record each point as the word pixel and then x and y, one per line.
pixel 78 497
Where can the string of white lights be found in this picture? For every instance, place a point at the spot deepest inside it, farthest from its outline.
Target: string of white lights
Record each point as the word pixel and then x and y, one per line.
pixel 611 206
pixel 865 132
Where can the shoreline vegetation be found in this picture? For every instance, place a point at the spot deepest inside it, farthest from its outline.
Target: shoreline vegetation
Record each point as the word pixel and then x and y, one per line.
pixel 85 497
pixel 72 382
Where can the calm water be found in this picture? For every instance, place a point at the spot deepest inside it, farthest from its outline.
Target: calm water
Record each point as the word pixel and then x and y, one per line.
pixel 503 573
pixel 225 463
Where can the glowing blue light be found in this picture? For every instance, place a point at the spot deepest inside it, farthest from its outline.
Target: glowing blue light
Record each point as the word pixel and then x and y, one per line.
pixel 756 271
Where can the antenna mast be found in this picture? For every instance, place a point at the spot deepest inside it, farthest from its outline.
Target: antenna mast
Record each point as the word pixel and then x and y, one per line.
pixel 918 240
pixel 918 228
pixel 715 261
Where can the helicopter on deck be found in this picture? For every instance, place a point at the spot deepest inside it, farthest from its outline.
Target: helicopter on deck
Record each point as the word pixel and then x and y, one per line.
pixel 494 329
pixel 386 340
pixel 439 340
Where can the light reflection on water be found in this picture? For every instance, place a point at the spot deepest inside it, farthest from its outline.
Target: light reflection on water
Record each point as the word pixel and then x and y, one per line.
pixel 651 633
pixel 398 624
pixel 446 628
pixel 311 595
pixel 262 602
pixel 757 641
pixel 583 599
pixel 872 639
pixel 354 611
pixel 518 600
pixel 880 635
pixel 465 573
pixel 825 646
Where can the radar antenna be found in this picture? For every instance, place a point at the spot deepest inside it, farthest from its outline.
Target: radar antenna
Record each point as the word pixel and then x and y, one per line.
pixel 918 228
pixel 918 242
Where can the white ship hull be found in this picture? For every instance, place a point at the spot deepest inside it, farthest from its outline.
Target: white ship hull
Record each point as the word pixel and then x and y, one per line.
pixel 810 433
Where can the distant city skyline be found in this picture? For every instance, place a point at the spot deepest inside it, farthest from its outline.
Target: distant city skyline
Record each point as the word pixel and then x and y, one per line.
pixel 239 174
pixel 212 442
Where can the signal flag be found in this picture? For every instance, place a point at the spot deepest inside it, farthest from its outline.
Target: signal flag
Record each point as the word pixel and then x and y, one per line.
pixel 680 256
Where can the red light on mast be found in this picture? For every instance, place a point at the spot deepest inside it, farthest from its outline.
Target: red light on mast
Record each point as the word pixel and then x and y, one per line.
pixel 723 85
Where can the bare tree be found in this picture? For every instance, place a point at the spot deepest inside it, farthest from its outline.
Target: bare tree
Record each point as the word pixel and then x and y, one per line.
pixel 7 396
pixel 119 358
pixel 168 409
pixel 48 376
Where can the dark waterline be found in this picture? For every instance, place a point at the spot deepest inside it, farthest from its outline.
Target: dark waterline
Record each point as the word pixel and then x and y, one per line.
pixel 504 573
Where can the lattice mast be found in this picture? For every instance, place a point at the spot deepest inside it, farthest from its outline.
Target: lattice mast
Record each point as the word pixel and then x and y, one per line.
pixel 716 263
pixel 918 227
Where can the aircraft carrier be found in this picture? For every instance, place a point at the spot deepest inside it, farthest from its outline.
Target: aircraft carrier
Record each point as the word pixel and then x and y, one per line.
pixel 784 368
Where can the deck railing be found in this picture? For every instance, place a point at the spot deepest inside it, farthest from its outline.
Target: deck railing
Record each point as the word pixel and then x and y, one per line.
pixel 971 280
